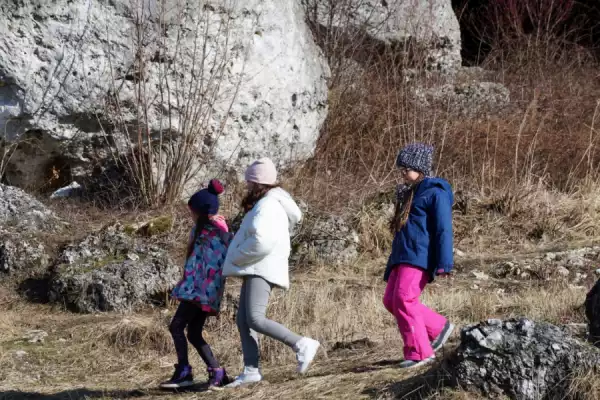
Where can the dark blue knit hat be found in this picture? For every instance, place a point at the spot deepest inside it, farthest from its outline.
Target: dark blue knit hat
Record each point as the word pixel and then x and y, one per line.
pixel 416 156
pixel 206 201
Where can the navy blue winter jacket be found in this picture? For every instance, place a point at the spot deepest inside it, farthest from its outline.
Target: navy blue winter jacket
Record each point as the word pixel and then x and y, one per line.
pixel 426 239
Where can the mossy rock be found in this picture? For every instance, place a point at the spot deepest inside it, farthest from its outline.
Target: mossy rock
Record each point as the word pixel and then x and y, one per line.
pixel 154 227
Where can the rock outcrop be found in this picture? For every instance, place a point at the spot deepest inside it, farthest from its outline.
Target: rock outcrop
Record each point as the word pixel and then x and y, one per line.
pixel 469 99
pixel 71 73
pixel 325 239
pixel 111 271
pixel 592 312
pixel 430 26
pixel 519 358
pixel 22 220
pixel 573 265
pixel 319 239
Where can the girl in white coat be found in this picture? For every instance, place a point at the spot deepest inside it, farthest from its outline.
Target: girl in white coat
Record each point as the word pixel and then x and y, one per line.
pixel 259 254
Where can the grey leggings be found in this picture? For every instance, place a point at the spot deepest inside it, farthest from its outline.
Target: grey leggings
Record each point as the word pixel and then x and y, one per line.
pixel 254 298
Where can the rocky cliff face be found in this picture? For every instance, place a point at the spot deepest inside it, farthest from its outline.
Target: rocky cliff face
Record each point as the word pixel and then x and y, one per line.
pixel 77 77
pixel 427 25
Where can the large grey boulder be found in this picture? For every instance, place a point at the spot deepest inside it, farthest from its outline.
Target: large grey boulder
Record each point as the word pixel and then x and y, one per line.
pixel 70 73
pixel 111 271
pixel 519 358
pixel 469 99
pixel 325 239
pixel 319 238
pixel 23 222
pixel 427 25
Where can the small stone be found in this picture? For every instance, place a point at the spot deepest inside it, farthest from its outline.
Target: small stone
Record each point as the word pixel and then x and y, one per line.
pixel 459 253
pixel 494 339
pixel 62 340
pixel 555 346
pixel 477 335
pixel 133 257
pixel 562 271
pixel 576 261
pixel 494 322
pixel 597 272
pixel 35 336
pixel 526 325
pixel 480 275
pixel 20 353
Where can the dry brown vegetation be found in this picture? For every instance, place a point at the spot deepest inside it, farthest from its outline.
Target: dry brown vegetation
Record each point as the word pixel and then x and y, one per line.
pixel 526 179
pixel 127 355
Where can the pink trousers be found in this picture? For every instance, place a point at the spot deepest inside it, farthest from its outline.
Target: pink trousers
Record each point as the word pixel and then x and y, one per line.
pixel 418 324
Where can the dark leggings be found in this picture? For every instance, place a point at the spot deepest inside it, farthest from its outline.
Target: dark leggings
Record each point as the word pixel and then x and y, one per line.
pixel 193 317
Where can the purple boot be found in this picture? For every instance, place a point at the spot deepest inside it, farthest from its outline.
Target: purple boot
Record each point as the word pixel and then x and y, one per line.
pixel 217 378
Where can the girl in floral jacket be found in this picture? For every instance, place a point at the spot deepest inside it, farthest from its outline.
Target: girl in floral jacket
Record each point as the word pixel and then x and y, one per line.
pixel 201 289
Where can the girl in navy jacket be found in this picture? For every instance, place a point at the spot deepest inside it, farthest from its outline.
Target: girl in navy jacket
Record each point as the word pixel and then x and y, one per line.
pixel 422 248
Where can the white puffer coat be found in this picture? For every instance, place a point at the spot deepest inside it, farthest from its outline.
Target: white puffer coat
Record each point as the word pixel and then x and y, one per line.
pixel 262 244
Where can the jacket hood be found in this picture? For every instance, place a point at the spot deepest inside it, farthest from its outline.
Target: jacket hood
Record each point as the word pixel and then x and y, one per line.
pixel 437 184
pixel 289 205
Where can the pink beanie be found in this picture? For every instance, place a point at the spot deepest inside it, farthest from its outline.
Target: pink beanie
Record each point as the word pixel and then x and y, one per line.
pixel 262 171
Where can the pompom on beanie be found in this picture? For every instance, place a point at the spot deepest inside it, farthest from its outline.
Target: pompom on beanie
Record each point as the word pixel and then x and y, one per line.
pixel 206 201
pixel 262 171
pixel 416 156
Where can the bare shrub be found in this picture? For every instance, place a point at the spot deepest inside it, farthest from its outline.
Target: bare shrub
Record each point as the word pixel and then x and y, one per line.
pixel 546 140
pixel 162 135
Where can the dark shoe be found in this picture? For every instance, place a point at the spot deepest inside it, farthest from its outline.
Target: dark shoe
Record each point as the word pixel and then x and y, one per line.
pixel 217 378
pixel 416 363
pixel 443 337
pixel 182 377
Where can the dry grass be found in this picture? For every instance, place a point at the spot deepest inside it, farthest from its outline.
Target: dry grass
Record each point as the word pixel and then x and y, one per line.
pixel 118 355
pixel 586 386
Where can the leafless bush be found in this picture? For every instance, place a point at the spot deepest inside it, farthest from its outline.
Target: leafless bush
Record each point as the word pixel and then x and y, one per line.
pixel 546 140
pixel 161 119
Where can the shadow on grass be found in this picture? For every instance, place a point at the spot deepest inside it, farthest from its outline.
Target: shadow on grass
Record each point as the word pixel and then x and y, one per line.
pixel 414 388
pixel 83 393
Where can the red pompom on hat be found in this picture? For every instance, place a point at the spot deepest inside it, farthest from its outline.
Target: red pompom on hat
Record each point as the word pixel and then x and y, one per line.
pixel 215 186
pixel 206 201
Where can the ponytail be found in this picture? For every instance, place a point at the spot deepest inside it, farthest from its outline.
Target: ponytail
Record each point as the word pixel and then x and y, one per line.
pixel 202 221
pixel 402 211
pixel 403 206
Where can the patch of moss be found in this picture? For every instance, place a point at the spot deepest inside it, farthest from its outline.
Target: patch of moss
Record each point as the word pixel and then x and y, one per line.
pixel 129 229
pixel 110 259
pixel 92 264
pixel 157 226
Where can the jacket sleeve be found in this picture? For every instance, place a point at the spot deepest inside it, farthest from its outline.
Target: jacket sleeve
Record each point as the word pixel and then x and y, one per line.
pixel 443 238
pixel 260 239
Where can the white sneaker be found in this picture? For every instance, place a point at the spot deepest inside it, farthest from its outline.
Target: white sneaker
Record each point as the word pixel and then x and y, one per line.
pixel 249 376
pixel 415 363
pixel 306 350
pixel 443 337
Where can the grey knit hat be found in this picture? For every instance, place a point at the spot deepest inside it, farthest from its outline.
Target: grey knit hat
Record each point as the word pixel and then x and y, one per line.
pixel 416 156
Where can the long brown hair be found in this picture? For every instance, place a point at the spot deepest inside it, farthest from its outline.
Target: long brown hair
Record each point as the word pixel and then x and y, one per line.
pixel 202 221
pixel 255 195
pixel 403 206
